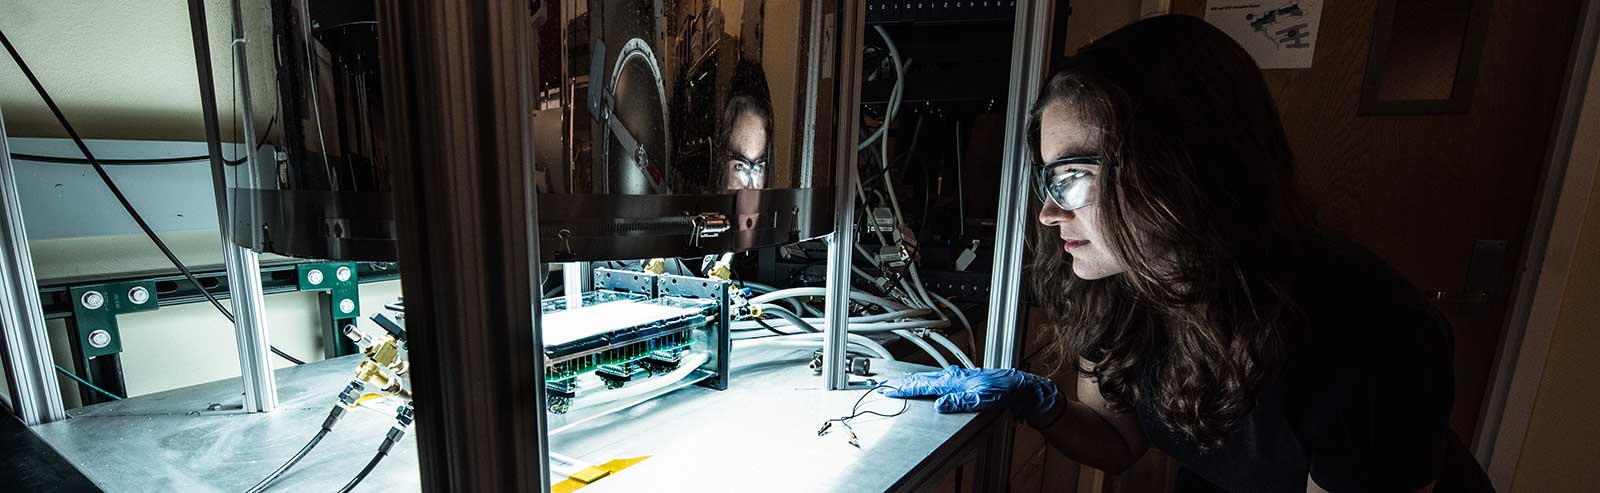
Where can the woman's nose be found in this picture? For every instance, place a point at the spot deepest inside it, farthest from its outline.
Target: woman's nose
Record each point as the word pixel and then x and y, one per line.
pixel 1052 215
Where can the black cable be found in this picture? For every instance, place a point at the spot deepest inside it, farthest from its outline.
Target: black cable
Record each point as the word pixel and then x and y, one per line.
pixel 371 464
pixel 119 162
pixel 123 199
pixel 403 419
pixel 292 461
pixel 854 413
pixel 347 398
pixel 156 161
pixel 770 328
pixel 904 404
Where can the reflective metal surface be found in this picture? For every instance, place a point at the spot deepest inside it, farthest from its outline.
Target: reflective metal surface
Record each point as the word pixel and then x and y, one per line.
pixel 644 102
pixel 759 435
pixel 316 183
pixel 673 114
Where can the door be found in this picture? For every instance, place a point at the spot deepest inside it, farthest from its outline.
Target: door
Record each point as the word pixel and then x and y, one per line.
pixel 1419 189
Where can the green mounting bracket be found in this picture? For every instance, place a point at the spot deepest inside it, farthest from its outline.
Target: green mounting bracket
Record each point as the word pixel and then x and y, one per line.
pixel 97 342
pixel 339 289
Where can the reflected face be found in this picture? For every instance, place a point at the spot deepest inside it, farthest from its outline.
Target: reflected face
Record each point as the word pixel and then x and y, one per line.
pixel 1062 136
pixel 746 166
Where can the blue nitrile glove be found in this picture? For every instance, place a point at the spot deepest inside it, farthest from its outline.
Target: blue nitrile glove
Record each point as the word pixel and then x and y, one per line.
pixel 963 391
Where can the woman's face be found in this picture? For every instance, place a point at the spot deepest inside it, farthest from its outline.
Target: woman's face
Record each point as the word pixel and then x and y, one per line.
pixel 747 146
pixel 1062 134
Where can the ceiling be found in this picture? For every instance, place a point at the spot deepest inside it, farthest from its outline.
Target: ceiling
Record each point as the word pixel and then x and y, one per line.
pixel 118 69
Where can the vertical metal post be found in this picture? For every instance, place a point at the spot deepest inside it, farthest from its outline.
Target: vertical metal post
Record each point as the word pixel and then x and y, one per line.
pixel 458 100
pixel 836 307
pixel 243 265
pixel 1028 48
pixel 808 126
pixel 572 283
pixel 30 370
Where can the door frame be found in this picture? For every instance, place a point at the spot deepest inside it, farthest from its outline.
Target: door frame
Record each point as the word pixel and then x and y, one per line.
pixel 1564 192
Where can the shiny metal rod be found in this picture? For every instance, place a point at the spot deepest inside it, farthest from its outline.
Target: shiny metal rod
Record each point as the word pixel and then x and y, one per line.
pixel 1028 47
pixel 836 306
pixel 243 265
pixel 35 396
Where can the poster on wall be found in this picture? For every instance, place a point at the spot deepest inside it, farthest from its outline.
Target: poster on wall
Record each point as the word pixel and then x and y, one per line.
pixel 1277 33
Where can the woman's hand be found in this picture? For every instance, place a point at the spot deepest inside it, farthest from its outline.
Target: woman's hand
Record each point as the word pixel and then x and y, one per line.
pixel 962 390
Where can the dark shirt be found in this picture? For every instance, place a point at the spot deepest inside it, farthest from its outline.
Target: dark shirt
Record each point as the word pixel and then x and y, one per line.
pixel 1361 405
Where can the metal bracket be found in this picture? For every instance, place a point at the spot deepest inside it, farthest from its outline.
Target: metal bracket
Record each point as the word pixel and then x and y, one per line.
pixel 699 287
pixel 338 287
pixel 626 281
pixel 96 339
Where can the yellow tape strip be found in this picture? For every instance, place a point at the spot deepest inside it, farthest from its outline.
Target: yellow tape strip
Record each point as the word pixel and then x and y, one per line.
pixel 591 474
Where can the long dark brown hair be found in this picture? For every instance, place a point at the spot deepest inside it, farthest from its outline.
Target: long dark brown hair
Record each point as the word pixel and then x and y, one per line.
pixel 1197 199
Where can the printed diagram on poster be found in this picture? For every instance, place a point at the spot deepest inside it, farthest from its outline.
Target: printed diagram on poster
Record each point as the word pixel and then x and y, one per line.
pixel 1277 33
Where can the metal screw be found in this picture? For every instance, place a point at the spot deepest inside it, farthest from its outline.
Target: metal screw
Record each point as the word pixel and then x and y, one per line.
pixel 347 305
pixel 93 300
pixel 343 274
pixel 138 295
pixel 100 338
pixel 314 277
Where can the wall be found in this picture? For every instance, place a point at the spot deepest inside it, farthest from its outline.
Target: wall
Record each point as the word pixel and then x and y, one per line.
pixel 1547 439
pixel 183 345
pixel 1561 450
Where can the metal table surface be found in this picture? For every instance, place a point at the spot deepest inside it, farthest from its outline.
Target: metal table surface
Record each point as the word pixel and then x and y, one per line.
pixel 760 434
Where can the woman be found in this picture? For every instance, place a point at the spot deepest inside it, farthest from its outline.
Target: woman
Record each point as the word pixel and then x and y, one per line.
pixel 747 129
pixel 1198 308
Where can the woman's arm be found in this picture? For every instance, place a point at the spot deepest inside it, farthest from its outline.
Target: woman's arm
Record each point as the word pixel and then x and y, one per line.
pixel 1088 432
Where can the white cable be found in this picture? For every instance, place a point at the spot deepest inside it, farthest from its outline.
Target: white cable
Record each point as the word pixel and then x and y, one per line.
pixel 872 346
pixel 780 342
pixel 951 346
pixel 816 291
pixel 895 95
pixel 861 319
pixel 938 358
pixel 921 293
pixel 866 328
pixel 972 336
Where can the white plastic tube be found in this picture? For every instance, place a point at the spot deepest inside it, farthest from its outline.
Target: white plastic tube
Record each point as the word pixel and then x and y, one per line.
pixel 865 328
pixel 938 358
pixel 881 317
pixel 951 346
pixel 815 340
pixel 813 291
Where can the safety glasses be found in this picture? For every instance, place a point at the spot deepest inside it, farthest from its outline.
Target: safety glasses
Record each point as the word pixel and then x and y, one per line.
pixel 752 174
pixel 1069 182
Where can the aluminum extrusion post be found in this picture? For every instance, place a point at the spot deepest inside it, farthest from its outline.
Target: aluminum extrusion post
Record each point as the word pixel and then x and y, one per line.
pixel 35 395
pixel 836 306
pixel 243 265
pixel 1028 47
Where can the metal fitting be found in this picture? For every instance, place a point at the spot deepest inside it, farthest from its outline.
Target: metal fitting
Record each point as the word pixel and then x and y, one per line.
pixel 139 295
pixel 100 338
pixel 93 300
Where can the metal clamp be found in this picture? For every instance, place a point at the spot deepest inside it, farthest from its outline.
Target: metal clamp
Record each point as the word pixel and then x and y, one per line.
pixel 707 225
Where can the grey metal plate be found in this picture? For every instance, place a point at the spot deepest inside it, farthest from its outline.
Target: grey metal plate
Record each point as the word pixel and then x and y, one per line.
pixel 760 434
